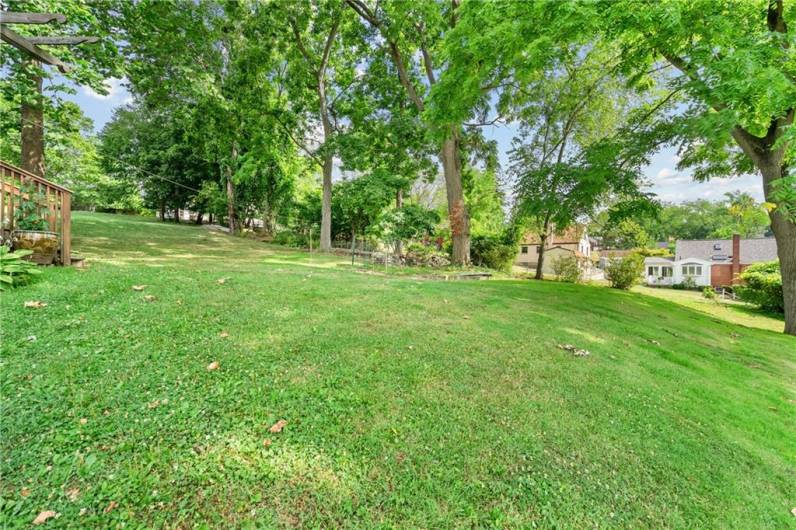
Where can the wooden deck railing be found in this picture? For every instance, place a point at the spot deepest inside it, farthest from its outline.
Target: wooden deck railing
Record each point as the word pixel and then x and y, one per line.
pixel 55 206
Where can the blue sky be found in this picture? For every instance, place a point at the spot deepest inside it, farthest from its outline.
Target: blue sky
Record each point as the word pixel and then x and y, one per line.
pixel 665 181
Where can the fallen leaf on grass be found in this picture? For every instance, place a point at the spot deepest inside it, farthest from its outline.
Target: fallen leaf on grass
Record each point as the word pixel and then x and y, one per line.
pixel 72 494
pixel 793 511
pixel 25 492
pixel 139 287
pixel 267 442
pixel 221 281
pixel 149 298
pixel 213 366
pixel 278 426
pixel 83 511
pixel 153 404
pixel 83 421
pixel 109 508
pixel 44 516
pixel 35 304
pixel 223 334
pixel 653 341
pixel 32 338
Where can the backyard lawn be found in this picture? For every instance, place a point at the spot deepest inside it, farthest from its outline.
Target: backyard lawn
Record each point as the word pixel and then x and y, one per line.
pixel 408 403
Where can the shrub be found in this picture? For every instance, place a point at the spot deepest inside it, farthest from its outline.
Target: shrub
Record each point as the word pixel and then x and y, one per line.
pixel 763 286
pixel 492 251
pixel 625 273
pixel 688 284
pixel 709 293
pixel 567 269
pixel 290 238
pixel 15 271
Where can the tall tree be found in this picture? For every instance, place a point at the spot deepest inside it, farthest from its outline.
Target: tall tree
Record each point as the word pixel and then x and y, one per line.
pixel 413 34
pixel 318 63
pixel 91 65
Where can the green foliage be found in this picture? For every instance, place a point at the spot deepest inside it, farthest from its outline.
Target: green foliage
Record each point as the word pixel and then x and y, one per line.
pixel 408 223
pixel 492 251
pixel 626 272
pixel 361 201
pixel 709 293
pixel 688 284
pixel 647 252
pixel 783 193
pixel 485 202
pixel 763 286
pixel 14 270
pixel 26 214
pixel 625 234
pixel 567 269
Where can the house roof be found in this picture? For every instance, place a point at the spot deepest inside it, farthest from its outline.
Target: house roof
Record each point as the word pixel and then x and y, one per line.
pixel 571 235
pixel 720 250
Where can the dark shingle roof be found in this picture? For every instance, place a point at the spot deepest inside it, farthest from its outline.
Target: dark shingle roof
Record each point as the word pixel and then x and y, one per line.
pixel 720 250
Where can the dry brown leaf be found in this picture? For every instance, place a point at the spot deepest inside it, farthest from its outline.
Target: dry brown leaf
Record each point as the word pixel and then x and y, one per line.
pixel 83 511
pixel 278 426
pixel 109 508
pixel 793 511
pixel 72 494
pixel 25 492
pixel 44 516
pixel 466 317
pixel 213 366
pixel 153 404
pixel 35 304
pixel 267 442
pixel 83 421
pixel 223 334
pixel 221 281
pixel 139 287
pixel 149 297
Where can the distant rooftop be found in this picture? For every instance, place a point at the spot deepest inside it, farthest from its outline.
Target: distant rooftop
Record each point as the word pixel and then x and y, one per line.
pixel 720 250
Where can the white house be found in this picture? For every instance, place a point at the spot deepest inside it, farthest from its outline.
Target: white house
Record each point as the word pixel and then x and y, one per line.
pixel 668 271
pixel 574 241
pixel 714 262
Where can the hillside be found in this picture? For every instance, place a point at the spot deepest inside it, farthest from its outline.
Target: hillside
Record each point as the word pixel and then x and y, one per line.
pixel 408 403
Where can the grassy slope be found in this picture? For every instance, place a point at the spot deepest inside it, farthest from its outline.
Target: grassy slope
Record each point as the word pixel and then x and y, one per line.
pixel 411 404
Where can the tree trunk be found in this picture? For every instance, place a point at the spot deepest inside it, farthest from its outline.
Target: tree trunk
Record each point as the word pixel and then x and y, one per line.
pixel 199 216
pixel 177 215
pixel 353 245
pixel 230 201
pixel 162 212
pixel 328 160
pixel 33 128
pixel 785 234
pixel 457 210
pixel 399 203
pixel 540 262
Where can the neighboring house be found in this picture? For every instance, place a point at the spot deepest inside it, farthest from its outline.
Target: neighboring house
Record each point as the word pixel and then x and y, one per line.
pixel 573 241
pixel 714 262
pixel 607 255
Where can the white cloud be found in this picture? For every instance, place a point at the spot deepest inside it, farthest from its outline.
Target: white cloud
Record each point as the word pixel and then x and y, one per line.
pixel 663 173
pixel 113 86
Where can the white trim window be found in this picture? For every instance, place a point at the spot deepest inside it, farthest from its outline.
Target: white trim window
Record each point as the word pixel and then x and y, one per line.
pixel 692 269
pixel 653 270
pixel 666 272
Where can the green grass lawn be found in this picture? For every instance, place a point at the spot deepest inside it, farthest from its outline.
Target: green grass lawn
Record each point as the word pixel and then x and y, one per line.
pixel 408 403
pixel 724 309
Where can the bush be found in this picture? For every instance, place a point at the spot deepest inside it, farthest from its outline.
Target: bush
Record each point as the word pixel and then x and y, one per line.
pixel 290 238
pixel 493 252
pixel 15 271
pixel 709 293
pixel 567 269
pixel 688 284
pixel 763 286
pixel 626 272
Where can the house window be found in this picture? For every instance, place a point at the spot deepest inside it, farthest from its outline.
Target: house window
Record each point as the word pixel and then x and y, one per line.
pixel 652 271
pixel 692 270
pixel 524 249
pixel 666 272
pixel 717 246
